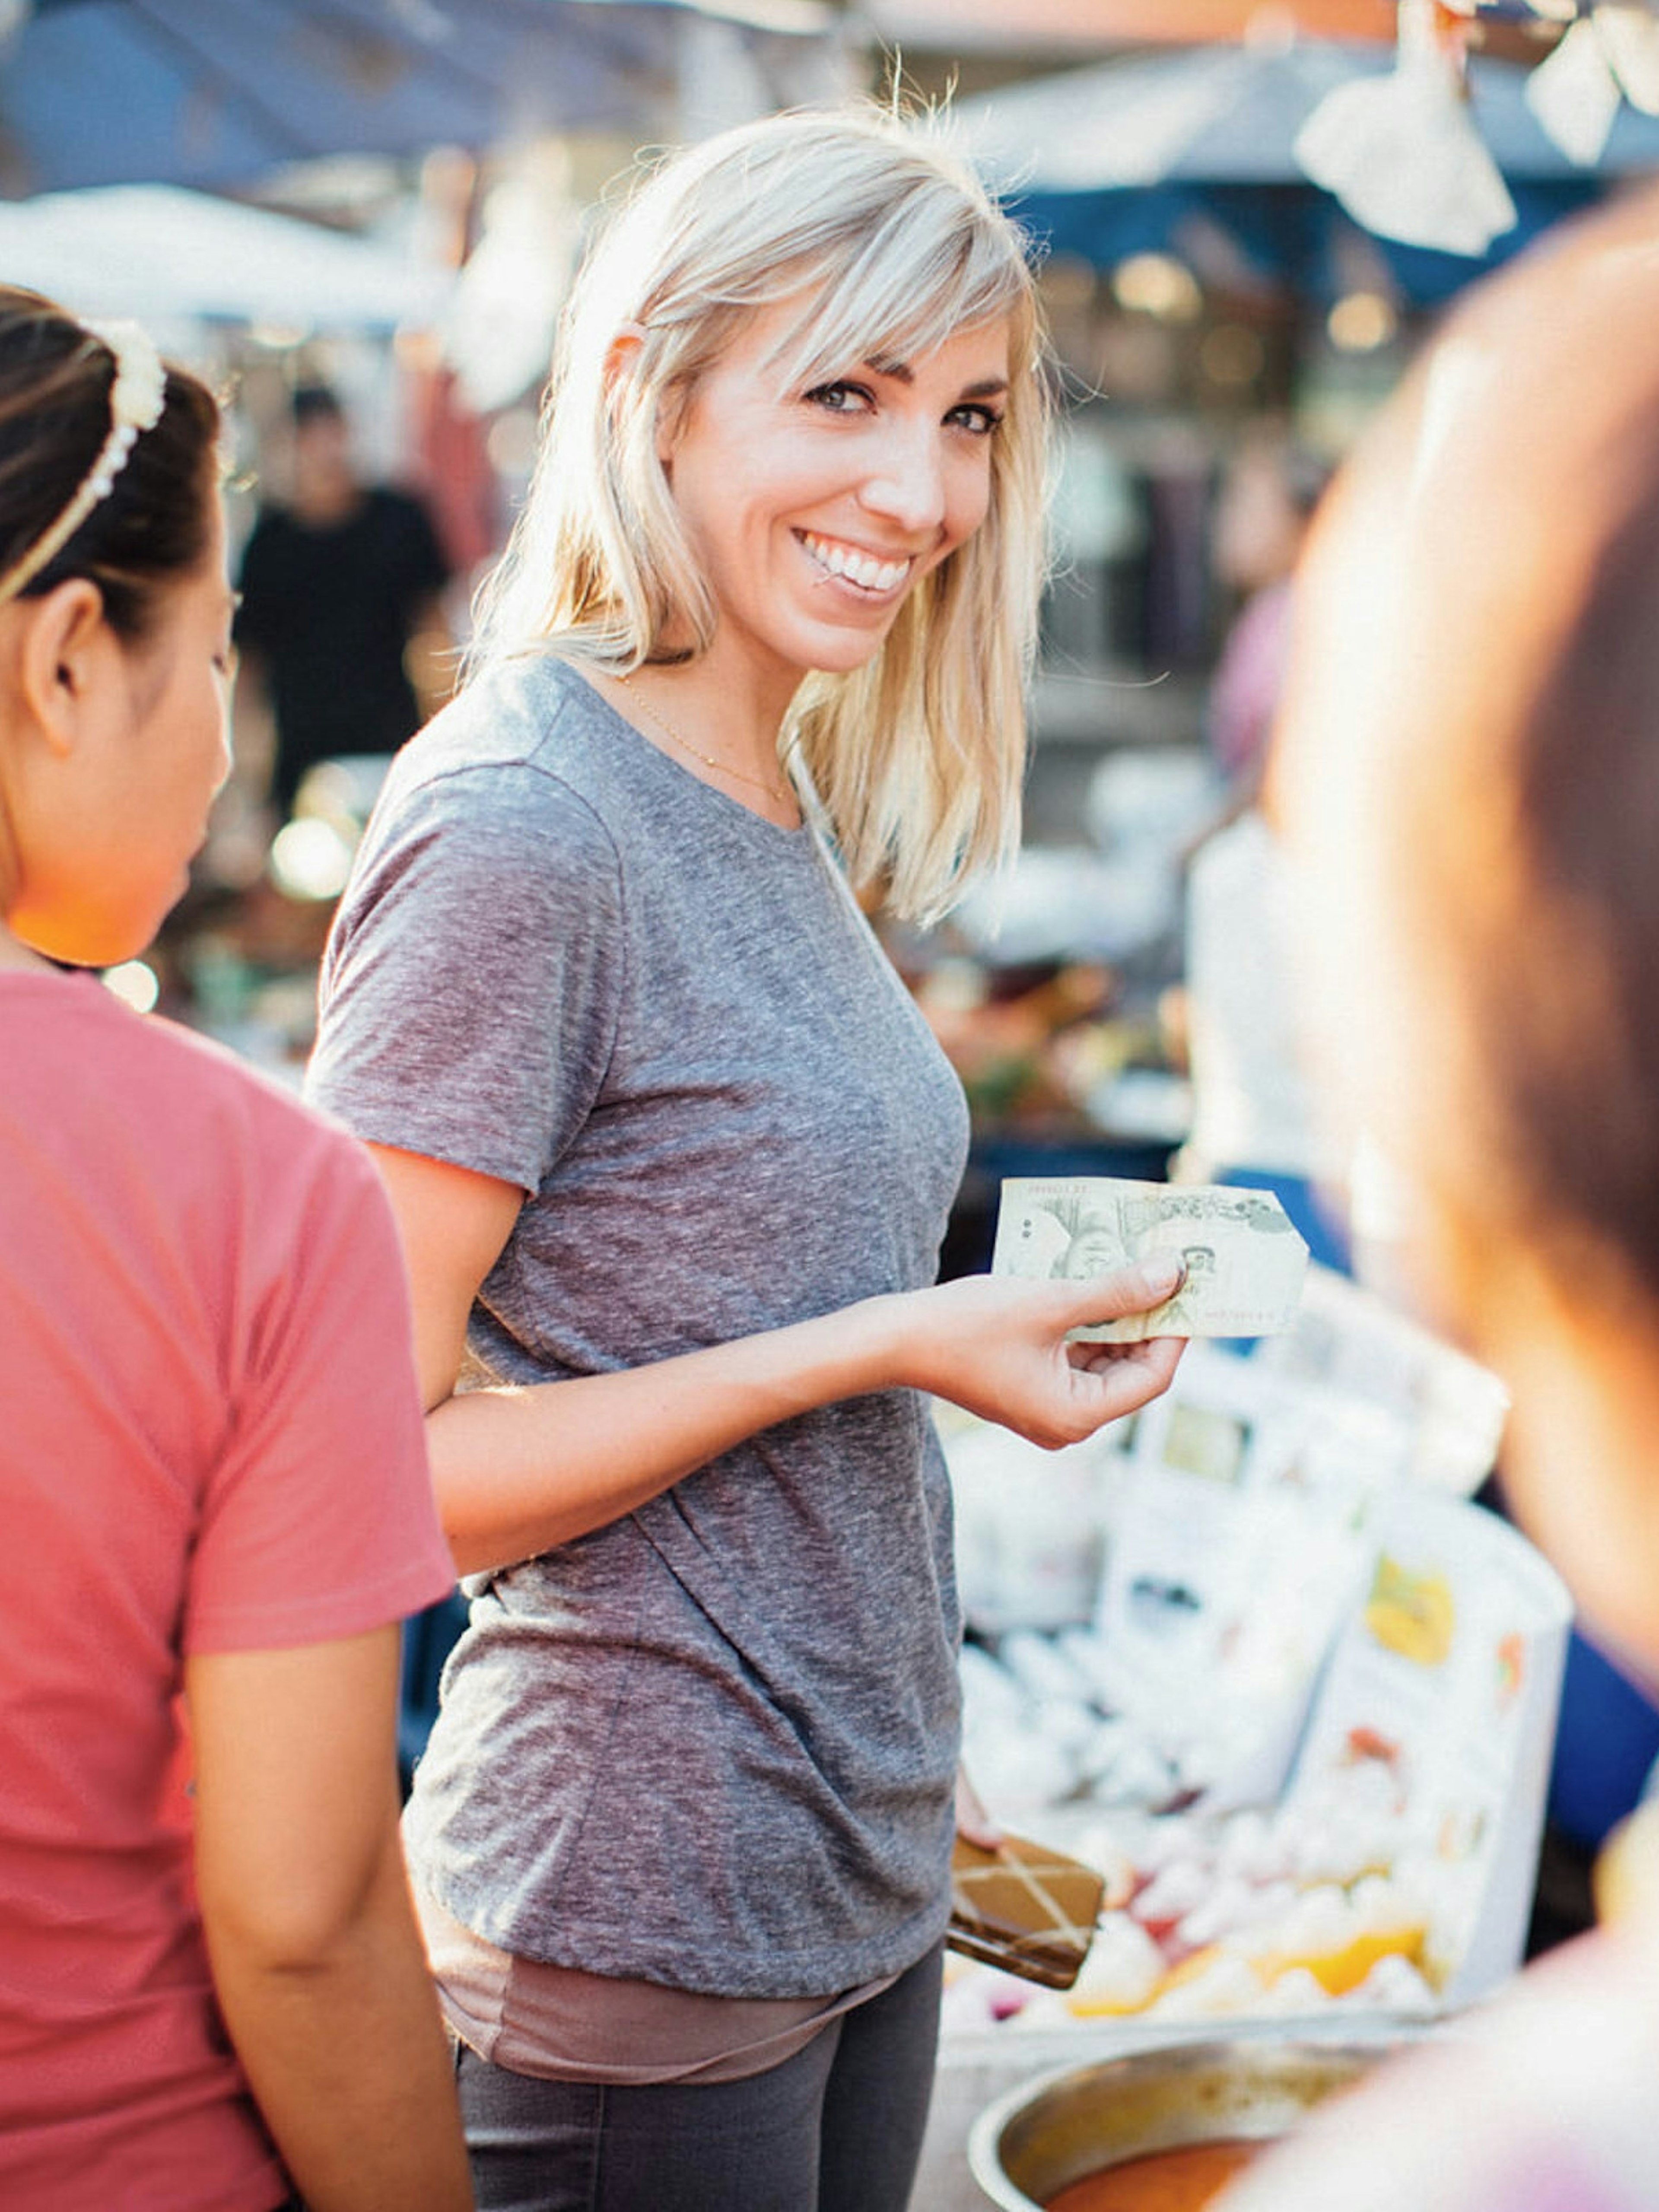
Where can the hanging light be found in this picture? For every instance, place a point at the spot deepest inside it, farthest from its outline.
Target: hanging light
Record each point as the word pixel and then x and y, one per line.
pixel 1401 152
pixel 1575 95
pixel 1628 32
pixel 1608 54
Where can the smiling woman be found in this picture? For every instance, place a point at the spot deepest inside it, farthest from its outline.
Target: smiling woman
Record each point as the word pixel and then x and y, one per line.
pixel 673 1152
pixel 825 317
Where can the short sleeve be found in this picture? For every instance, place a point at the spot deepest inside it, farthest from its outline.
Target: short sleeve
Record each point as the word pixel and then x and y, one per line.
pixel 318 1521
pixel 470 988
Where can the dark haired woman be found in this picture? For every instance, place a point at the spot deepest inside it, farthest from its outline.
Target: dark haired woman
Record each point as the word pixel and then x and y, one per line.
pixel 212 1484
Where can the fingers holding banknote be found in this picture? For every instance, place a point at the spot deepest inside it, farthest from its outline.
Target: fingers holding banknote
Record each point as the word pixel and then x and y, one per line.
pixel 1000 1348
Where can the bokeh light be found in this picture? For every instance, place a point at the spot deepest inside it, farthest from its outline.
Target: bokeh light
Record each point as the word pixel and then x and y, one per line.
pixel 135 983
pixel 310 860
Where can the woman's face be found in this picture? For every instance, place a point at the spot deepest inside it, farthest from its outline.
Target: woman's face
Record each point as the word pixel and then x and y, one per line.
pixel 108 846
pixel 814 512
pixel 185 736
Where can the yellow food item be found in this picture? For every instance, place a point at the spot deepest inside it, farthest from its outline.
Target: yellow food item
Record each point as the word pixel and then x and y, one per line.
pixel 1344 1969
pixel 1099 2005
pixel 1415 1615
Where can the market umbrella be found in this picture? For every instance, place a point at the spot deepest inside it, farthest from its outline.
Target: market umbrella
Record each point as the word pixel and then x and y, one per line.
pixel 156 250
pixel 1125 155
pixel 1232 114
pixel 215 93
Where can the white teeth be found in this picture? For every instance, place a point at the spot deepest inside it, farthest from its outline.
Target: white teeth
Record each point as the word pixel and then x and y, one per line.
pixel 861 568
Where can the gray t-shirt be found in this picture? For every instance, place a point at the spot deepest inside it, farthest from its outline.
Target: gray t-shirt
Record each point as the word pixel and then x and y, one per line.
pixel 712 1744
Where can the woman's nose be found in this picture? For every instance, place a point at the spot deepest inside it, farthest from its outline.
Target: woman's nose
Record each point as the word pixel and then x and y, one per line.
pixel 906 483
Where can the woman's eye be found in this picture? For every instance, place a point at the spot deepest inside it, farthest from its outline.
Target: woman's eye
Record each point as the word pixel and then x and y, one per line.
pixel 840 398
pixel 980 421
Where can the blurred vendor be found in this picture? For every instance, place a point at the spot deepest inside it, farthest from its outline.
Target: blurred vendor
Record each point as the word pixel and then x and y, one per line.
pixel 340 623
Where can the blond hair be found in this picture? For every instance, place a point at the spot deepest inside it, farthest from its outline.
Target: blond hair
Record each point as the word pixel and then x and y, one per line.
pixel 892 245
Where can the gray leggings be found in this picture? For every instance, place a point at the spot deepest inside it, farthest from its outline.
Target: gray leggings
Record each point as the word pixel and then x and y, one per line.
pixel 837 2127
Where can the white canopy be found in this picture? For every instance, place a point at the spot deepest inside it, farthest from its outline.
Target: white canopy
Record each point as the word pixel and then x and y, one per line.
pixel 156 251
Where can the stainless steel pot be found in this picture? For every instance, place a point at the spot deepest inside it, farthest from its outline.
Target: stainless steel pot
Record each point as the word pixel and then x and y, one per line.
pixel 1255 2081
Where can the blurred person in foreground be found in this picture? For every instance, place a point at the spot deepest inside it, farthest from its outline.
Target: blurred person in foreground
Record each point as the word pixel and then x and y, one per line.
pixel 1469 767
pixel 213 1492
pixel 673 1151
pixel 341 622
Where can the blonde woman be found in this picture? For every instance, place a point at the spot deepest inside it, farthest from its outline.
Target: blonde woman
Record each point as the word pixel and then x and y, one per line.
pixel 672 1154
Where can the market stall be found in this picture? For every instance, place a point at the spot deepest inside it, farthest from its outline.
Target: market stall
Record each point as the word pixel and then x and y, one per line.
pixel 1262 1666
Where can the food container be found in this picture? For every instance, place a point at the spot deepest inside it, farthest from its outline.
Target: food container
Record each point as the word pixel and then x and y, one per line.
pixel 1257 2082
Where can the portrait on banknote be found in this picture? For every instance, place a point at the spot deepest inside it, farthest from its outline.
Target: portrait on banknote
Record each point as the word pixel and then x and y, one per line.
pixel 1243 1261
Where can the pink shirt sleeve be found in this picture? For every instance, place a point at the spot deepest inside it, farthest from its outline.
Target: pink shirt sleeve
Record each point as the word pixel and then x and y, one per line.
pixel 318 1521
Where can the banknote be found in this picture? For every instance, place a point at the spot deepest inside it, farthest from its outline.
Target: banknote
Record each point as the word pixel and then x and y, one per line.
pixel 1244 1262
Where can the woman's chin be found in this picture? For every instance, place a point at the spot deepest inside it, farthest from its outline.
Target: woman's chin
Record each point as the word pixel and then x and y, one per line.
pixel 847 653
pixel 85 941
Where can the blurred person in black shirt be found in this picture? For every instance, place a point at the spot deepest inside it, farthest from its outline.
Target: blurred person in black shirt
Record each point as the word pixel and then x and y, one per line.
pixel 337 584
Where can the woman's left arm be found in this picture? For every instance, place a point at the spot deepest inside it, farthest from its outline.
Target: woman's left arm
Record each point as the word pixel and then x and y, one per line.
pixel 317 1959
pixel 518 1472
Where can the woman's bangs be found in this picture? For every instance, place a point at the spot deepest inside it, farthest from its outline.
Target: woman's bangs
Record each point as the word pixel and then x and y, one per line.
pixel 907 307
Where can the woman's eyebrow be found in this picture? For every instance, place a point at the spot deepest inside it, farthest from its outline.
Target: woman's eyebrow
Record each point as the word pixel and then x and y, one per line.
pixel 989 387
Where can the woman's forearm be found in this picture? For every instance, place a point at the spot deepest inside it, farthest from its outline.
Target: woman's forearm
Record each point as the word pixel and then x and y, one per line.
pixel 317 1959
pixel 519 1471
pixel 347 2058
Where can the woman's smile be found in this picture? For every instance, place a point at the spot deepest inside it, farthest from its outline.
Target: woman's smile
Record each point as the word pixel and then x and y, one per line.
pixel 873 575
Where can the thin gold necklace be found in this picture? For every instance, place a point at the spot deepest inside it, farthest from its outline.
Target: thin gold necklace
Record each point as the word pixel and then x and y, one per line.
pixel 776 793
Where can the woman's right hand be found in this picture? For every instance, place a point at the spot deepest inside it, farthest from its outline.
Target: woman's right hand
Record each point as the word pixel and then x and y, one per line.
pixel 998 1347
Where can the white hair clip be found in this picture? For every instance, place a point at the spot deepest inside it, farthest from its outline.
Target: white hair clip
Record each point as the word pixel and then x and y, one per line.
pixel 136 400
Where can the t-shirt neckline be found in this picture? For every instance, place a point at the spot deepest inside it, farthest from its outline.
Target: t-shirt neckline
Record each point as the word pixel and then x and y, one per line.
pixel 798 834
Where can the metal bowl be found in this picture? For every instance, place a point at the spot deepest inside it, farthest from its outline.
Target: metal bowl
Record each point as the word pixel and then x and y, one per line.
pixel 1256 2081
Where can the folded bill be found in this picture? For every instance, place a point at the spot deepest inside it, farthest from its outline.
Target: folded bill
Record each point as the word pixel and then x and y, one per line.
pixel 1244 1262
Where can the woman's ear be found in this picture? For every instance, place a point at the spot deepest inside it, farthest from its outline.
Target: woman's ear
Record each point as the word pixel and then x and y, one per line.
pixel 623 352
pixel 63 653
pixel 621 361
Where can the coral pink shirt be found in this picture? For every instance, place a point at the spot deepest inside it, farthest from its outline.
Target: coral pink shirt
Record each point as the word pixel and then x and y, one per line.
pixel 209 1441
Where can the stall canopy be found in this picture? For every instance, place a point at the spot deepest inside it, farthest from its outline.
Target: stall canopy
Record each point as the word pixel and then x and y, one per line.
pixel 216 93
pixel 97 252
pixel 1149 152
